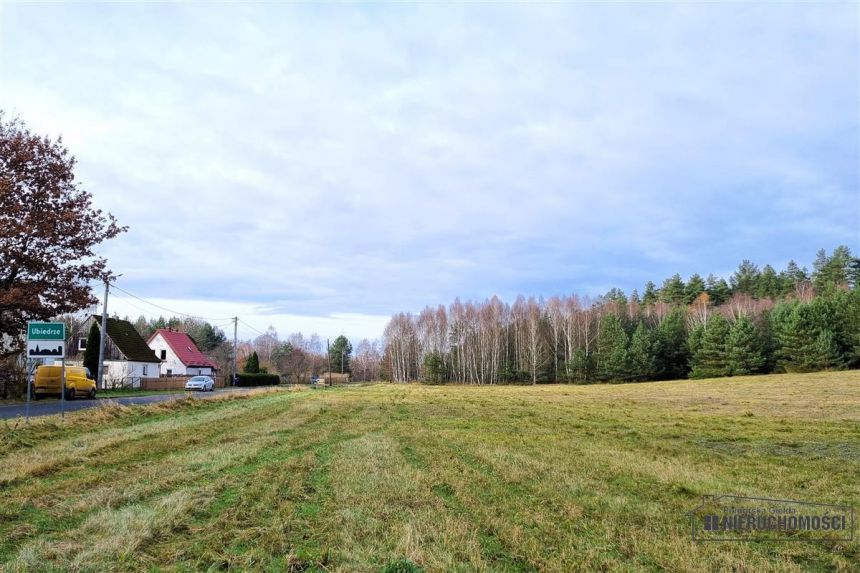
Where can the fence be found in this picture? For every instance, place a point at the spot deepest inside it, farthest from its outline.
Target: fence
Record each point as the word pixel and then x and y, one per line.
pixel 175 383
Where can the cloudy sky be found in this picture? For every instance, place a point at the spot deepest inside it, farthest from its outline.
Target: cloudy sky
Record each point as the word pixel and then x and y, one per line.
pixel 319 168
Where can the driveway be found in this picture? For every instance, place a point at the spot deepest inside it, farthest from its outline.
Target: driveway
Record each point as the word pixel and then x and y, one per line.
pixel 48 406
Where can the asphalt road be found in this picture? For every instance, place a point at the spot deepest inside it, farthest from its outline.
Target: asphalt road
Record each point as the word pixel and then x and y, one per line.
pixel 48 406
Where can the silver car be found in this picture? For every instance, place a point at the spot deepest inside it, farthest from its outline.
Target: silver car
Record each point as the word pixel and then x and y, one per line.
pixel 204 383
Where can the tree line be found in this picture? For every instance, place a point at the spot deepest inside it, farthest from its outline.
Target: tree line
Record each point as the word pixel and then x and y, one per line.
pixel 297 358
pixel 757 321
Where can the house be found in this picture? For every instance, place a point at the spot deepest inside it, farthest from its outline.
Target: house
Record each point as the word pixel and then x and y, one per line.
pixel 179 354
pixel 127 358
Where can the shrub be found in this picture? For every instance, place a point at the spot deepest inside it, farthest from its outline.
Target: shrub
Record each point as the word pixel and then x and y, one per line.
pixel 257 379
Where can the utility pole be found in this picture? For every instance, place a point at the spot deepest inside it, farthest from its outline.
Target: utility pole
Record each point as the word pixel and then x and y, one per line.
pixel 328 353
pixel 103 335
pixel 235 347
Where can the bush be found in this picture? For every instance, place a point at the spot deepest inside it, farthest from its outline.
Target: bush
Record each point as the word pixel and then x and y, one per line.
pixel 257 379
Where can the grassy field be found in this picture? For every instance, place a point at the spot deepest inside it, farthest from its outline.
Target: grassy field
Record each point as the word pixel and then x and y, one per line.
pixel 393 478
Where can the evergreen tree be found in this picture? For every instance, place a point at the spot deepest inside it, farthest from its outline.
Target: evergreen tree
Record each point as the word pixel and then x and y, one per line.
pixel 711 358
pixel 91 354
pixel 746 278
pixel 434 368
pixel 612 359
pixel 811 336
pixel 582 367
pixel 615 295
pixel 825 352
pixel 769 284
pixel 695 287
pixel 849 310
pixel 650 296
pixel 718 290
pixel 673 290
pixel 854 273
pixel 252 364
pixel 832 272
pixel 644 350
pixel 694 339
pixel 745 350
pixel 792 276
pixel 340 354
pixel 672 337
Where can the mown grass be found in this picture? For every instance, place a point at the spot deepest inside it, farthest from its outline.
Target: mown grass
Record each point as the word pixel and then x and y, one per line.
pixel 416 478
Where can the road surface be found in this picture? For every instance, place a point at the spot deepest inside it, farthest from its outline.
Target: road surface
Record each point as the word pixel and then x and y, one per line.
pixel 48 406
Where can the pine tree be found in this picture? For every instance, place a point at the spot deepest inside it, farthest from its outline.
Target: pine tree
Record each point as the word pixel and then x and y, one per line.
pixel 650 296
pixel 91 354
pixel 810 337
pixel 791 277
pixel 711 358
pixel 434 368
pixel 746 278
pixel 769 285
pixel 825 352
pixel 718 290
pixel 612 359
pixel 673 290
pixel 582 366
pixel 745 352
pixel 695 287
pixel 832 272
pixel 616 295
pixel 252 364
pixel 694 339
pixel 672 337
pixel 644 349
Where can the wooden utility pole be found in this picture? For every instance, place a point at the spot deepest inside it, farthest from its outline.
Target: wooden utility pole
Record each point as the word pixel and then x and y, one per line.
pixel 328 355
pixel 100 369
pixel 235 348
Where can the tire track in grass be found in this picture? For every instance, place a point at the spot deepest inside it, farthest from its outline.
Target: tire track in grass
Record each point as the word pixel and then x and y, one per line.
pixel 493 549
pixel 264 514
pixel 179 468
pixel 18 466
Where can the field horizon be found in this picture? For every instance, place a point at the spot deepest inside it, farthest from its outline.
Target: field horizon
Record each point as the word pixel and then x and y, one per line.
pixel 408 477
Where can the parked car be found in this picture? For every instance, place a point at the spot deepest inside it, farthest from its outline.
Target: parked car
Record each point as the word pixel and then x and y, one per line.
pixel 47 382
pixel 204 383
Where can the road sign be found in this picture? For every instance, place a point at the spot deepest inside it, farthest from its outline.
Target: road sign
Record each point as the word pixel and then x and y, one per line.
pixel 46 339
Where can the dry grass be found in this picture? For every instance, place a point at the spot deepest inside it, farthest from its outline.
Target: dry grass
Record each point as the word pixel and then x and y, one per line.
pixel 555 478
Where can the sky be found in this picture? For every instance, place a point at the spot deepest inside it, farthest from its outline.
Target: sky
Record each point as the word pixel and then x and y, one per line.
pixel 319 168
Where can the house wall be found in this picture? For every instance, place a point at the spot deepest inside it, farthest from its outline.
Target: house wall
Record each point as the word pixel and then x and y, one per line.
pixel 172 361
pixel 125 374
pixel 171 364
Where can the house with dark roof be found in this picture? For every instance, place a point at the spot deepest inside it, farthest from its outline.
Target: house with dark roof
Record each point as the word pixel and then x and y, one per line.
pixel 179 354
pixel 127 359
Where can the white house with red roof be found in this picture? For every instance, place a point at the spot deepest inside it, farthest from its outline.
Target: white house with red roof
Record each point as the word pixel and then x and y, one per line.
pixel 179 355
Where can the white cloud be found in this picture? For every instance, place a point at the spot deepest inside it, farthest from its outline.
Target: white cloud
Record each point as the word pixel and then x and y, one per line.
pixel 334 159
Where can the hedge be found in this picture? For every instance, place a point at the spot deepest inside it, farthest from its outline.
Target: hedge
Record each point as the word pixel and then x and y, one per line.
pixel 257 379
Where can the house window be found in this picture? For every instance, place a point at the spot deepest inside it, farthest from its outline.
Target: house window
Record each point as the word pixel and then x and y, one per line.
pixel 144 369
pixel 169 372
pixel 164 355
pixel 82 344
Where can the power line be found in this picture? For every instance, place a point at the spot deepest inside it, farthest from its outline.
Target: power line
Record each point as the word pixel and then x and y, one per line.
pixel 251 327
pixel 165 308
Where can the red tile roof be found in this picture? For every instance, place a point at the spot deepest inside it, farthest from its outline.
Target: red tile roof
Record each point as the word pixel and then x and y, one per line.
pixel 184 347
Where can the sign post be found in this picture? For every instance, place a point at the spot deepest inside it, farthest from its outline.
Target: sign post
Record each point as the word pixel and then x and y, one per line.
pixel 48 340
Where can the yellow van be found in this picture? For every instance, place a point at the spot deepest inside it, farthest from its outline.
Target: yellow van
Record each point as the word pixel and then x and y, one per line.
pixel 79 382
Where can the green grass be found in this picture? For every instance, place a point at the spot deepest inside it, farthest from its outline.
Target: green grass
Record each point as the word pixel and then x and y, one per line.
pixel 131 392
pixel 430 478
